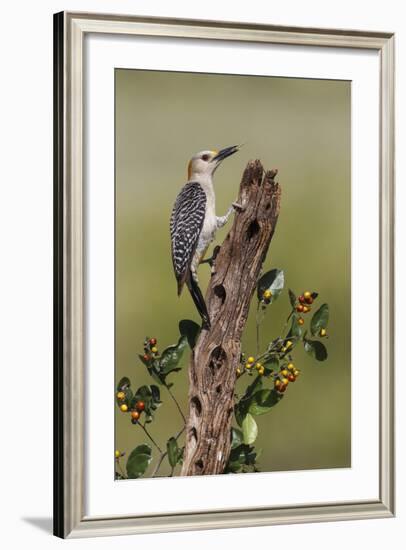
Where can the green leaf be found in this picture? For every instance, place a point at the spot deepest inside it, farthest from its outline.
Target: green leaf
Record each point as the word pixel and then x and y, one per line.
pixel 262 401
pixel 173 451
pixel 138 461
pixel 239 413
pixel 253 387
pixel 156 394
pixel 249 429
pixel 319 320
pixel 240 456
pixel 292 298
pixel 191 330
pixel 241 408
pixel 236 437
pixel 155 374
pixel 274 281
pixel 123 384
pixel 316 349
pixel 171 356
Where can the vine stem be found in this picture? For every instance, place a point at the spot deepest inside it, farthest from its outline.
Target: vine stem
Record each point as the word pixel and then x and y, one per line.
pixel 121 469
pixel 285 326
pixel 150 437
pixel 258 322
pixel 176 403
pixel 163 455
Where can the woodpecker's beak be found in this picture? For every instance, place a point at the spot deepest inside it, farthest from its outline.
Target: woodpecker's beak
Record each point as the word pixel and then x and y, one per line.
pixel 224 153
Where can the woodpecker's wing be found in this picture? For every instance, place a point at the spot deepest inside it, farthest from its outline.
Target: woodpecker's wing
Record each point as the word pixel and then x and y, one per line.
pixel 186 224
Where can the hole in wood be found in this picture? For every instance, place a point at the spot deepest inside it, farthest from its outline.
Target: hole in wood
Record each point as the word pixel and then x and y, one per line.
pixel 195 402
pixel 268 206
pixel 193 433
pixel 218 358
pixel 220 292
pixel 219 388
pixel 253 229
pixel 199 465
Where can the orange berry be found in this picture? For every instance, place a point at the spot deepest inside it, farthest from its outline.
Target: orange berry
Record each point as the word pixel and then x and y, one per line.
pixel 135 415
pixel 140 405
pixel 300 321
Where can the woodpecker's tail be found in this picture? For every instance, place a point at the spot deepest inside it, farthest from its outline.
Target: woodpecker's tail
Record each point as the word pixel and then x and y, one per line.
pixel 198 299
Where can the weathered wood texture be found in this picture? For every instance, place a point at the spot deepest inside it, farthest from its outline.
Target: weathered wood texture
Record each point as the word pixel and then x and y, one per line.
pixel 215 358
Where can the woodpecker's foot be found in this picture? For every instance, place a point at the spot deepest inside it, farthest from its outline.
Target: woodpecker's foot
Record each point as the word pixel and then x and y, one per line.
pixel 238 207
pixel 208 261
pixel 212 258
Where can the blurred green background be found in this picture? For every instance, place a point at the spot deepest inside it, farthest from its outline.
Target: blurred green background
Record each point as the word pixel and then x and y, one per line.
pixel 301 127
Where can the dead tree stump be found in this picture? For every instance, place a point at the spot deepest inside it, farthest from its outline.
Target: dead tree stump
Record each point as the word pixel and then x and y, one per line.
pixel 216 356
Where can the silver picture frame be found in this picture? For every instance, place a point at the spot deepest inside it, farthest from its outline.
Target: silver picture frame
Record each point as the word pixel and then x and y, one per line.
pixel 70 30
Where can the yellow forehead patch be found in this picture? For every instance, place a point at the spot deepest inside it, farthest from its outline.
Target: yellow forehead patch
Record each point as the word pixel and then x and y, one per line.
pixel 215 152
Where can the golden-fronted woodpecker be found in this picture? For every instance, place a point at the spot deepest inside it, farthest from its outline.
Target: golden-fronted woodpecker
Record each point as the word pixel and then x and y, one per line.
pixel 194 222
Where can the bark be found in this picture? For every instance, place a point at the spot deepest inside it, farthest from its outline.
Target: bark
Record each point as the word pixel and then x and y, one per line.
pixel 216 356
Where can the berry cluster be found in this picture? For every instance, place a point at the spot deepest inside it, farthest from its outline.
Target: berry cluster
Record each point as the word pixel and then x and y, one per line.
pixel 250 365
pixel 135 412
pixel 150 349
pixel 286 374
pixel 305 301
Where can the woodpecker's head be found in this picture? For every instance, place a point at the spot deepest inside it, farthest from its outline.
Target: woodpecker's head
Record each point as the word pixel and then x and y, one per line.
pixel 206 162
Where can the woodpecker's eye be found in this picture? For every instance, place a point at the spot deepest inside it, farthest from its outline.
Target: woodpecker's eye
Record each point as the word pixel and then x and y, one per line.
pixel 205 157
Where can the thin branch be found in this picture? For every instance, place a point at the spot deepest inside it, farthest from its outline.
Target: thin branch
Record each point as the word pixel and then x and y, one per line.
pixel 163 455
pixel 176 403
pixel 257 327
pixel 150 437
pixel 121 469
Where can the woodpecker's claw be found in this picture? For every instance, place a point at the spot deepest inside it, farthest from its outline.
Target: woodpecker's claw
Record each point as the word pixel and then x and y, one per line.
pixel 212 258
pixel 238 206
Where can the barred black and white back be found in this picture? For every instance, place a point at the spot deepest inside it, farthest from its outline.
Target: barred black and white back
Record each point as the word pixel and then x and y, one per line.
pixel 185 226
